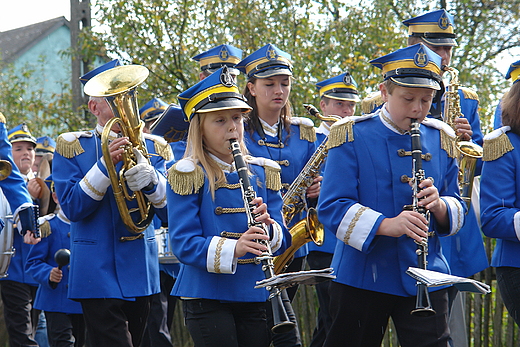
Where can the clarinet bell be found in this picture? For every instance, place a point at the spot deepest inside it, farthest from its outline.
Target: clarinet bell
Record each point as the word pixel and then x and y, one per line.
pixel 423 307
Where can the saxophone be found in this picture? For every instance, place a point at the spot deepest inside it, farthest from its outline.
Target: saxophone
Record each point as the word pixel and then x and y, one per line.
pixel 309 228
pixel 468 152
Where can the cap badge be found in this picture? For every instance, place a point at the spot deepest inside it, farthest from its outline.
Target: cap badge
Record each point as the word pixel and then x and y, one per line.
pixel 271 54
pixel 25 128
pixel 156 104
pixel 444 22
pixel 347 79
pixel 225 77
pixel 421 58
pixel 46 143
pixel 224 54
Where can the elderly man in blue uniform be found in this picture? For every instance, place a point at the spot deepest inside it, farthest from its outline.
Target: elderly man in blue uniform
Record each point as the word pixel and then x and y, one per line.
pixel 338 97
pixel 17 288
pixel 113 271
pixel 513 73
pixel 377 239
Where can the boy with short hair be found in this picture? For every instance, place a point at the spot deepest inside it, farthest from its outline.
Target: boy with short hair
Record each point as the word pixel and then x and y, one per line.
pixel 372 156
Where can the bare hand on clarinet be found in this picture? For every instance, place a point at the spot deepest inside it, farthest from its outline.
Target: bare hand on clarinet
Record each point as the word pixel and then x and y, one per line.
pixel 247 242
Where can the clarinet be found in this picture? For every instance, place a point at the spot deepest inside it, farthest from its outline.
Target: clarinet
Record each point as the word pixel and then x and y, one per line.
pixel 282 324
pixel 423 306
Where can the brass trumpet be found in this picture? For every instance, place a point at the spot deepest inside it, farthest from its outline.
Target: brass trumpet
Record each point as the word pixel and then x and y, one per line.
pixel 119 87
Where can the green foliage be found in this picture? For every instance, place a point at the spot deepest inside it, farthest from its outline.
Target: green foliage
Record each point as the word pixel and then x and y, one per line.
pixel 24 99
pixel 324 37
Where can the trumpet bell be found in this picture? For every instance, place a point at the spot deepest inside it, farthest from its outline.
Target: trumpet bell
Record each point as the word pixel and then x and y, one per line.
pixel 116 81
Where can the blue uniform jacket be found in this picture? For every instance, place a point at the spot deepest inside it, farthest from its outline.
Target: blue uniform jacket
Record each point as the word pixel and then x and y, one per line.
pixel 208 267
pixel 102 266
pixel 370 189
pixel 40 262
pixel 291 156
pixel 17 195
pixel 500 200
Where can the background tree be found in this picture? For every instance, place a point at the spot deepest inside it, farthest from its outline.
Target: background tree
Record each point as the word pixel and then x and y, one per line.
pixel 324 37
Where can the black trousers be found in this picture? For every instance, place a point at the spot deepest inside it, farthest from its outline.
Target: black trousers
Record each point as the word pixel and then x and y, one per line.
pixel 115 322
pixel 157 332
pixel 65 330
pixel 508 279
pixel 20 319
pixel 360 317
pixel 317 261
pixel 212 323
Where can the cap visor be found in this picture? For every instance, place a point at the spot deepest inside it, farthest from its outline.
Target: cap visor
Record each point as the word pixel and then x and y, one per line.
pixel 273 72
pixel 343 96
pixel 416 82
pixel 225 104
pixel 444 41
pixel 23 139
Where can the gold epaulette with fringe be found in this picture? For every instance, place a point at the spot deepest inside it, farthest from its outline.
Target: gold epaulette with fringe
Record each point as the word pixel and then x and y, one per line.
pixel 342 131
pixel 186 177
pixel 469 93
pixel 307 131
pixel 161 146
pixel 372 101
pixel 496 144
pixel 2 118
pixel 273 179
pixel 68 144
pixel 44 225
pixel 447 134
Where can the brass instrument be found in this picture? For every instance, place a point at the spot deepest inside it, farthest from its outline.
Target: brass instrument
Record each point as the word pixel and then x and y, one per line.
pixel 308 229
pixel 423 307
pixel 119 87
pixel 5 169
pixel 468 152
pixel 282 324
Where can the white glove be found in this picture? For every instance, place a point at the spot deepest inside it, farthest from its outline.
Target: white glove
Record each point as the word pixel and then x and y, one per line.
pixel 141 175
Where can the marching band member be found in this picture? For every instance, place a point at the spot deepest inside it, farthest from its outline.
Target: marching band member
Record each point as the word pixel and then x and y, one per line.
pixel 113 272
pixel 151 111
pixel 209 230
pixel 65 323
pixel 218 57
pixel 271 132
pixel 512 73
pixel 338 97
pixel 376 237
pixel 18 289
pixel 499 194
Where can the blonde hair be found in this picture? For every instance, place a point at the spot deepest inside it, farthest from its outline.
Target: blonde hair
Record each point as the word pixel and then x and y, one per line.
pixel 196 149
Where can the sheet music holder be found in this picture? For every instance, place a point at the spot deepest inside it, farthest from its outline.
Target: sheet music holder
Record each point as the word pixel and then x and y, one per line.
pixel 436 279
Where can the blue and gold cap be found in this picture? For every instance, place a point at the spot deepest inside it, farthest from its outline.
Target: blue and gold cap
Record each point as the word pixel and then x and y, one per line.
pixel 220 56
pixel 514 72
pixel 45 144
pixel 152 109
pixel 266 62
pixel 435 28
pixel 171 124
pixel 216 92
pixel 86 77
pixel 415 66
pixel 21 133
pixel 341 87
